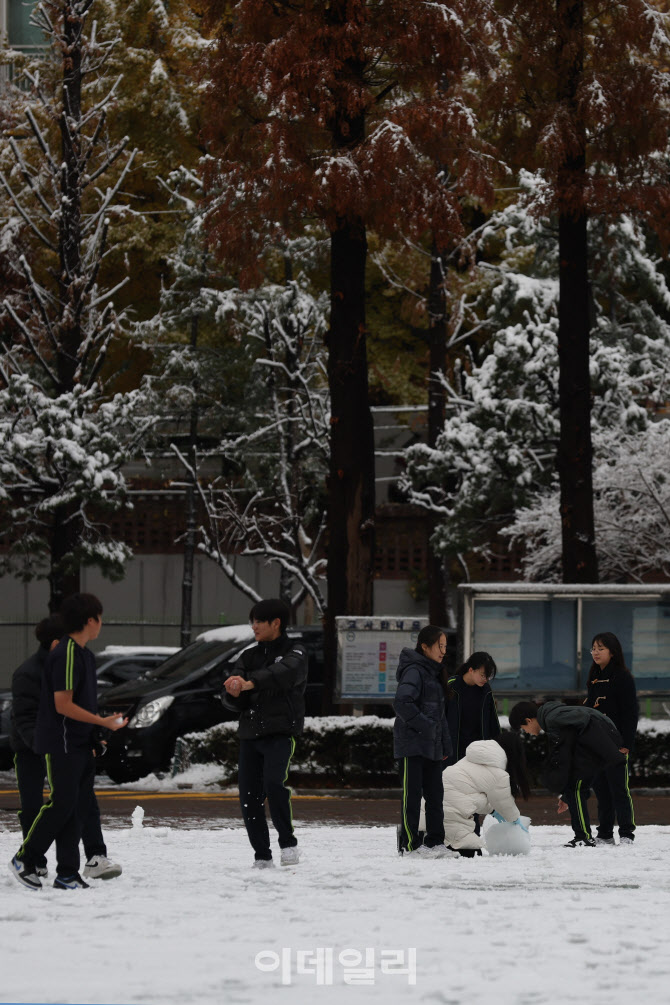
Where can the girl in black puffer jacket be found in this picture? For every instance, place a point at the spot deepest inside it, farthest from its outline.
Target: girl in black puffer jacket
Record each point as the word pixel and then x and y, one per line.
pixel 611 690
pixel 421 741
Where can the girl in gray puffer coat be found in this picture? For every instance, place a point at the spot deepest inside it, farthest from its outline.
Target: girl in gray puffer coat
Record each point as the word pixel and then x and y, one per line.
pixel 421 742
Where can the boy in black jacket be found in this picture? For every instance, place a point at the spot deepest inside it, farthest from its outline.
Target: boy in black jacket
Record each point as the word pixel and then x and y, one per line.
pixel 30 767
pixel 268 693
pixel 64 733
pixel 583 743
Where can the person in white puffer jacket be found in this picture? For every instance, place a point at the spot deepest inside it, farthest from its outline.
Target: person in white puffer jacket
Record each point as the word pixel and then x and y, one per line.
pixel 487 779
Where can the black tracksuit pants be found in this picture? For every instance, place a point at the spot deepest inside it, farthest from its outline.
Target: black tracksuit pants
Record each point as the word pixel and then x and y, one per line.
pixel 614 801
pixel 421 777
pixel 576 795
pixel 70 778
pixel 263 770
pixel 31 773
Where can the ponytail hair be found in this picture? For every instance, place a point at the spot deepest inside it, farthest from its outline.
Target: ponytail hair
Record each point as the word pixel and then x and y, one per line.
pixel 428 636
pixel 516 763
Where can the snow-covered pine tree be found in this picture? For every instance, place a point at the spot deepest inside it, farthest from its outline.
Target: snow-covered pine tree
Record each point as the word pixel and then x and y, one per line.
pixel 582 95
pixel 631 493
pixel 496 455
pixel 64 433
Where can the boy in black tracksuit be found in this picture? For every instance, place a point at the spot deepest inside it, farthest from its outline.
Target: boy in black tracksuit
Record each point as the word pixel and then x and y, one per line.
pixel 583 742
pixel 268 693
pixel 66 718
pixel 30 767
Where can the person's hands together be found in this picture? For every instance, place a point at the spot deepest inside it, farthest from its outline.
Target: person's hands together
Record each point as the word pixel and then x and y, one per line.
pixel 235 684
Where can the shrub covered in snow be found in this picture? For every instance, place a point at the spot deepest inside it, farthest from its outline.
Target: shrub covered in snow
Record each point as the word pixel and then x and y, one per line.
pixel 339 751
pixel 333 751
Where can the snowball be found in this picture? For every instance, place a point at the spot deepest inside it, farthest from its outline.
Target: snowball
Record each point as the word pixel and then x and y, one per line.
pixel 507 839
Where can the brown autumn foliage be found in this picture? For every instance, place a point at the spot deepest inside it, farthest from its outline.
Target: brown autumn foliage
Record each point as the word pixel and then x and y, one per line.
pixel 338 112
pixel 323 111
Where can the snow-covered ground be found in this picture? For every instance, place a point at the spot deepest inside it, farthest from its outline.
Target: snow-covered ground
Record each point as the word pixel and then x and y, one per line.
pixel 190 922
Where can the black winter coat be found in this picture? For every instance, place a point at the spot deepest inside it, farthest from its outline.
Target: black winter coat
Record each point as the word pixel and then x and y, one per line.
pixel 582 741
pixel 612 692
pixel 26 690
pixel 420 728
pixel 276 703
pixel 483 725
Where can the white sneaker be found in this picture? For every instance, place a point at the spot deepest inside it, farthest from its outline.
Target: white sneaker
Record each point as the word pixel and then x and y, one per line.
pixel 604 841
pixel 263 863
pixel 101 867
pixel 626 840
pixel 290 856
pixel 437 851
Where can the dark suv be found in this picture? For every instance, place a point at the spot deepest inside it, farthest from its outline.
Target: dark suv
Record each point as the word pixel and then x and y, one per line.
pixel 115 664
pixel 183 695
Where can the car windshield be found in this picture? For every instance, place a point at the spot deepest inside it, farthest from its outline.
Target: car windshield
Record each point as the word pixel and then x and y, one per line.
pixel 194 657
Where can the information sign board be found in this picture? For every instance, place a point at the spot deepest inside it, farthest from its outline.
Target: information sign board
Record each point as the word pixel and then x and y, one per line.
pixel 367 655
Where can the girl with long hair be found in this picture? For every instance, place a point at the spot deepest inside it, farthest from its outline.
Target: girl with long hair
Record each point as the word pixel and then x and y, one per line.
pixel 471 711
pixel 611 689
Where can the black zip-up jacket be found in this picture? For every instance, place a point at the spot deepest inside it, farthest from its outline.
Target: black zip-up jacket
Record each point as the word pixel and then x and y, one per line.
pixel 582 742
pixel 612 692
pixel 26 690
pixel 276 703
pixel 464 728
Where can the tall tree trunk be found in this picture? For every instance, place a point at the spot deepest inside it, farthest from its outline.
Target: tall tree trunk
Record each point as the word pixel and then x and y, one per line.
pixel 189 538
pixel 69 228
pixel 64 575
pixel 351 484
pixel 437 344
pixel 351 474
pixel 67 527
pixel 575 451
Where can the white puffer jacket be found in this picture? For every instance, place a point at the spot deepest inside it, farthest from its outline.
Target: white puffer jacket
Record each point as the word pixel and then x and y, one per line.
pixel 478 783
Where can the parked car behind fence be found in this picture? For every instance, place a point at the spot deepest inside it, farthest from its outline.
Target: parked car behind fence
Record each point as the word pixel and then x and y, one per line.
pixel 183 696
pixel 115 665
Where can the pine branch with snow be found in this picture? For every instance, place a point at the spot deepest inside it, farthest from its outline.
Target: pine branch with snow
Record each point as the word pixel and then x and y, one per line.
pixel 65 432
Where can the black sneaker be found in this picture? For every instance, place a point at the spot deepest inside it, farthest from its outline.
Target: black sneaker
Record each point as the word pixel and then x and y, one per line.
pixel 26 877
pixel 74 882
pixel 580 843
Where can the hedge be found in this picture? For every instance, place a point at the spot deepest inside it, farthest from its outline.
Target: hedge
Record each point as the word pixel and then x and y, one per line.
pixel 357 752
pixel 332 752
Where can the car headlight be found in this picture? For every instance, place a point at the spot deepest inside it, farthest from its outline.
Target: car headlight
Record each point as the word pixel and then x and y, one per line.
pixel 151 712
